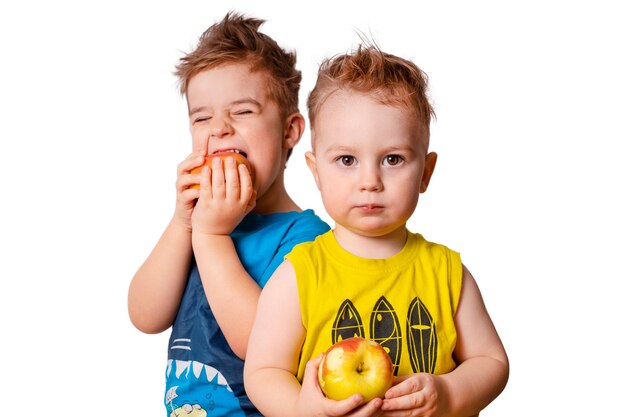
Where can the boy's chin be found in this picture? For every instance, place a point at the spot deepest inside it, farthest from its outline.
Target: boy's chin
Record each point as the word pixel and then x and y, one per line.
pixel 374 229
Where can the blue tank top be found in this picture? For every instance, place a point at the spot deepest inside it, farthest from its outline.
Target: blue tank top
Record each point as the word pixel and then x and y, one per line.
pixel 203 375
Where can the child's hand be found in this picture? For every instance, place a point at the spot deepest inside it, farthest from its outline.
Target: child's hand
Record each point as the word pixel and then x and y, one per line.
pixel 312 401
pixel 185 196
pixel 226 196
pixel 414 395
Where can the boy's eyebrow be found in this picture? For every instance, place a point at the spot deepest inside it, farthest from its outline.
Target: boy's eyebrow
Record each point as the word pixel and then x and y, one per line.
pixel 339 148
pixel 407 148
pixel 246 100
pixel 197 110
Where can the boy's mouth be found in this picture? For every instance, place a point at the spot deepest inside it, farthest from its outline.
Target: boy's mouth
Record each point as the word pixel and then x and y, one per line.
pixel 370 208
pixel 222 151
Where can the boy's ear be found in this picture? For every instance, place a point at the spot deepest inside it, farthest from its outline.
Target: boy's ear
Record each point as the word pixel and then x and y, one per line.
pixel 310 162
pixel 294 127
pixel 429 168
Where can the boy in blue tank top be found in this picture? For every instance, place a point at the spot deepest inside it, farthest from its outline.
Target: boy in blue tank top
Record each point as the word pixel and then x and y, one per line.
pixel 227 235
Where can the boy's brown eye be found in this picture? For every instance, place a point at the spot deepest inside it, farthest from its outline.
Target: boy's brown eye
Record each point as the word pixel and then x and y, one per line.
pixel 393 160
pixel 347 160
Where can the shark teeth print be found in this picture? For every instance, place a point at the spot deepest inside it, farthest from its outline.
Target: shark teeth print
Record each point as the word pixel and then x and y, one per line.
pixel 185 367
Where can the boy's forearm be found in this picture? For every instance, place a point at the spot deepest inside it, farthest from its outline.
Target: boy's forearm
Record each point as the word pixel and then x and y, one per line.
pixel 157 287
pixel 274 392
pixel 230 291
pixel 474 384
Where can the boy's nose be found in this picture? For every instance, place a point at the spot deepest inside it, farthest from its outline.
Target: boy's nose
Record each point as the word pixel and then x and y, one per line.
pixel 219 127
pixel 370 179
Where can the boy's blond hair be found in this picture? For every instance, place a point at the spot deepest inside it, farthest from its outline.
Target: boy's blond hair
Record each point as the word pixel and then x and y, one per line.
pixel 387 78
pixel 236 39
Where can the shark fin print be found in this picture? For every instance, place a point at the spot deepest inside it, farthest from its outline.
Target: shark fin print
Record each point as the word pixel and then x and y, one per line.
pixel 385 329
pixel 347 323
pixel 421 338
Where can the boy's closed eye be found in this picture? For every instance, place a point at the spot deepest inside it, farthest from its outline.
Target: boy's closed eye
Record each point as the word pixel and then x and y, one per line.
pixel 200 115
pixel 245 107
pixel 243 112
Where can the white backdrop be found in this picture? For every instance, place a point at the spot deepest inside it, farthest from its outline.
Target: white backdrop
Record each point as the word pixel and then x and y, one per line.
pixel 530 98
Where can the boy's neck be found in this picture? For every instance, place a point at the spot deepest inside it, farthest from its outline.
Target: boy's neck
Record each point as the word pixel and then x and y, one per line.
pixel 371 247
pixel 275 200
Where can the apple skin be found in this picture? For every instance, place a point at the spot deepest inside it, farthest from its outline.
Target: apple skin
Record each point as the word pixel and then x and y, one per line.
pixel 239 159
pixel 355 366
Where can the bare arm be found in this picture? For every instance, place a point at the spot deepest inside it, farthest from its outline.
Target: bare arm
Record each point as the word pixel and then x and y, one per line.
pixel 480 377
pixel 231 292
pixel 275 341
pixel 226 196
pixel 273 354
pixel 157 287
pixel 484 367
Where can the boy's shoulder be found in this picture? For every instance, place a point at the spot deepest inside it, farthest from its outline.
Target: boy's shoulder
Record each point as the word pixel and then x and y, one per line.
pixel 305 219
pixel 432 248
pixel 318 244
pixel 311 251
pixel 262 241
pixel 419 239
pixel 285 229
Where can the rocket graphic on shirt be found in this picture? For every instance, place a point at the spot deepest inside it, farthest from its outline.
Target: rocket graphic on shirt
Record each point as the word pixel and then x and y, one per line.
pixel 384 327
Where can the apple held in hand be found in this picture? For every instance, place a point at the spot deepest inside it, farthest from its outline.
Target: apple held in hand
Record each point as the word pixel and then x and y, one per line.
pixel 239 160
pixel 355 366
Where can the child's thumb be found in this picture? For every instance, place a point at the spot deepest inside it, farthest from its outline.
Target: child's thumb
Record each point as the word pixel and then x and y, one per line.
pixel 312 366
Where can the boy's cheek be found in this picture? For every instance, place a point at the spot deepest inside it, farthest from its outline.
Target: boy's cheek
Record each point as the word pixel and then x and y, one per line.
pixel 199 141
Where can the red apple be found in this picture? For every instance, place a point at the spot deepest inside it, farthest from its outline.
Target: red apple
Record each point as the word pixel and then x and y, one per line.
pixel 355 365
pixel 239 159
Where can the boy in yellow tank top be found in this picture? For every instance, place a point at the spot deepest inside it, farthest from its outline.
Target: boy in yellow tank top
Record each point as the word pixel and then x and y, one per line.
pixel 370 276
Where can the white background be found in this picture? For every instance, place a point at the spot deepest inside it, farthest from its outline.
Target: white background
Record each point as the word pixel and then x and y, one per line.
pixel 530 98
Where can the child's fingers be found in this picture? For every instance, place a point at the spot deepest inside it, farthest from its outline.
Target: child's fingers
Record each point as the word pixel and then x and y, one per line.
pixel 184 177
pixel 416 404
pixel 338 408
pixel 193 160
pixel 414 392
pixel 218 182
pixel 310 372
pixel 186 180
pixel 206 179
pixel 404 386
pixel 251 202
pixel 231 176
pixel 400 403
pixel 189 195
pixel 370 409
pixel 343 407
pixel 247 189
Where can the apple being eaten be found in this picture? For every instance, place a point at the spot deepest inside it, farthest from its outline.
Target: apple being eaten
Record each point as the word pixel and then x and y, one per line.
pixel 239 160
pixel 355 366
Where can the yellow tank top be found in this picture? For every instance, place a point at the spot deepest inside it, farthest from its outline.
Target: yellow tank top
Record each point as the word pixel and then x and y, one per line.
pixel 406 302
